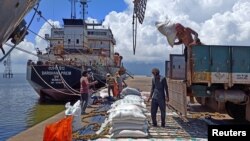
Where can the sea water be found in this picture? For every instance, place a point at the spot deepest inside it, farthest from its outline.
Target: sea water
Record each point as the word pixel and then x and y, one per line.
pixel 20 107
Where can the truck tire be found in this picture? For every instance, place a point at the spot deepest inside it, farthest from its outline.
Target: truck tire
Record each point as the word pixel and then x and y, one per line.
pixel 236 111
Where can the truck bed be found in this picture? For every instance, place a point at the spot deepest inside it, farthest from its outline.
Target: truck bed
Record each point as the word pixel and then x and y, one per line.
pixel 220 64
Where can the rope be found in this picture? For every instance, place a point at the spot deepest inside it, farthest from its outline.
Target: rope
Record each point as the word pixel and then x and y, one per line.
pixel 67 85
pixel 92 136
pixel 96 126
pixel 37 34
pixel 45 58
pixel 134 23
pixel 28 52
pixel 20 49
pixel 51 86
pixel 40 14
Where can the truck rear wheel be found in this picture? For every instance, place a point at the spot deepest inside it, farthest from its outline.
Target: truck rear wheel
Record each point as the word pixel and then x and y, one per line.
pixel 236 111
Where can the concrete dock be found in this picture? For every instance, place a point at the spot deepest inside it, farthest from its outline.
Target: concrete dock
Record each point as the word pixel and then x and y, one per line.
pixel 35 133
pixel 194 128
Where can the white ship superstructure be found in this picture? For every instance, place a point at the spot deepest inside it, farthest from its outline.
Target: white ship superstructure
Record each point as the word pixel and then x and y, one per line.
pixel 81 43
pixel 73 48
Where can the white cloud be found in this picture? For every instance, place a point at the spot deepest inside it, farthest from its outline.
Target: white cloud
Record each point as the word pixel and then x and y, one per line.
pixel 223 22
pixel 216 21
pixel 230 27
pixel 19 58
pixel 45 29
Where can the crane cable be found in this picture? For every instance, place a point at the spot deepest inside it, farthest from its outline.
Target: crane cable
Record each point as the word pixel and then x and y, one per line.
pixel 134 23
pixel 138 13
pixel 28 52
pixel 85 58
pixel 27 28
pixel 22 35
pixel 37 34
pixel 40 14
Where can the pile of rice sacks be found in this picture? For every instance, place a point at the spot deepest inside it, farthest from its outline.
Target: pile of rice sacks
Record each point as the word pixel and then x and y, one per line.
pixel 127 116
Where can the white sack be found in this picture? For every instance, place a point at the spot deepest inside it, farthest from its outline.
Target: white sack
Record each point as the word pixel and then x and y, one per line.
pixel 75 111
pixel 167 29
pixel 126 114
pixel 104 93
pixel 128 102
pixel 129 133
pixel 130 91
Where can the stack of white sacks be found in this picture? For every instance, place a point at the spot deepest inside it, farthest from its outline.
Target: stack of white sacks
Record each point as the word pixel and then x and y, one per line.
pixel 75 111
pixel 127 116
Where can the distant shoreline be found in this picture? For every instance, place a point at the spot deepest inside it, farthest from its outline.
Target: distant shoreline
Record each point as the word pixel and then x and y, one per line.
pixel 142 75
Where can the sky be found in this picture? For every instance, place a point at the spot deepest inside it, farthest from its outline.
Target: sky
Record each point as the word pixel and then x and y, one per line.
pixel 218 22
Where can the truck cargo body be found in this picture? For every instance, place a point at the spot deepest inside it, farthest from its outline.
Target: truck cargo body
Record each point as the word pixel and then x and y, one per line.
pixel 228 65
pixel 218 76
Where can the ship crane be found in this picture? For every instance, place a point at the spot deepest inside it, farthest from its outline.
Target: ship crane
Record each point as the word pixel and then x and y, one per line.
pixel 139 12
pixel 19 30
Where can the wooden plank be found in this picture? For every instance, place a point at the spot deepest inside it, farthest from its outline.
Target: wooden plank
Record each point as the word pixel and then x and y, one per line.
pixel 177 95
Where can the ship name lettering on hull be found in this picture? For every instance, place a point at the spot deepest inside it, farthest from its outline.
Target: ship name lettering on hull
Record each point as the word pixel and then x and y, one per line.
pixel 61 68
pixel 56 73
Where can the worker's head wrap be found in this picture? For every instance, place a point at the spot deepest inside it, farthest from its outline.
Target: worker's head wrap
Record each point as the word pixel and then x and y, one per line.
pixel 155 71
pixel 179 27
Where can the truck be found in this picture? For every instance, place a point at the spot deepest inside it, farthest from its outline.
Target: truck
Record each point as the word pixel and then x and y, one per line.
pixel 217 76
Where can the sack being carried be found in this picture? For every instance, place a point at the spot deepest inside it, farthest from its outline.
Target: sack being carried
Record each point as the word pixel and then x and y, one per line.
pixel 167 28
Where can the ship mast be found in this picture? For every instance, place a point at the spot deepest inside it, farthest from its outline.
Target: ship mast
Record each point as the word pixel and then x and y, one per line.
pixel 84 4
pixel 73 15
pixel 73 9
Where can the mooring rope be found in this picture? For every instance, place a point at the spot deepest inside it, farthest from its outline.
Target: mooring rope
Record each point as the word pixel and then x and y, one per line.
pixel 66 84
pixel 51 86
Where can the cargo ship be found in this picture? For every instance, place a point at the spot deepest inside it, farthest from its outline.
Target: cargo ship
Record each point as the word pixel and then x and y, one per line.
pixel 73 48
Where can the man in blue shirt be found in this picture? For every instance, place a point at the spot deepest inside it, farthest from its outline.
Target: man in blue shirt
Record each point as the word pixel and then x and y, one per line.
pixel 158 94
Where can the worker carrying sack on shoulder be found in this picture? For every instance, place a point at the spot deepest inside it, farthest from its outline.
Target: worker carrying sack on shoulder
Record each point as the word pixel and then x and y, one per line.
pixel 167 28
